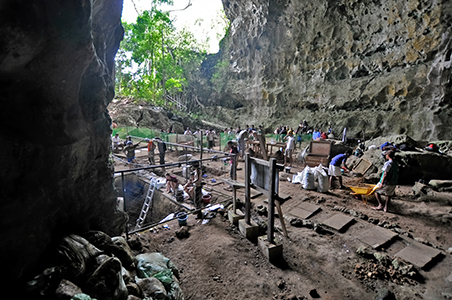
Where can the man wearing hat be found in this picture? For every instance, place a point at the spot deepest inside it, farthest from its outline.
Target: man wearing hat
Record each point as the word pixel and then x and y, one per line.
pixel 129 150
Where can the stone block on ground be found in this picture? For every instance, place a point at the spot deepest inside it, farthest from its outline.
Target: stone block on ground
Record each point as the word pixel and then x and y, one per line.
pixel 250 231
pixel 235 217
pixel 272 251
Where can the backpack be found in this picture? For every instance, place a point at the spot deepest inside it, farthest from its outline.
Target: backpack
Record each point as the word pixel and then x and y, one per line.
pixel 432 147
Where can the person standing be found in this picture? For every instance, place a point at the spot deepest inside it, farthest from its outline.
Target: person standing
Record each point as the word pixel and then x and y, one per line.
pixel 388 181
pixel 210 135
pixel 233 161
pixel 129 151
pixel 289 149
pixel 334 169
pixel 187 131
pixel 162 150
pixel 198 137
pixel 197 195
pixel 241 137
pixel 151 151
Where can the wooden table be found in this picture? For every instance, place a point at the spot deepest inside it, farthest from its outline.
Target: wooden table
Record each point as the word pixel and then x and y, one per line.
pixel 277 145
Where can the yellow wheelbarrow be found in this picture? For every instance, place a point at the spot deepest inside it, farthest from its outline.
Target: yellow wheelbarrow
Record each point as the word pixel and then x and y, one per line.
pixel 363 191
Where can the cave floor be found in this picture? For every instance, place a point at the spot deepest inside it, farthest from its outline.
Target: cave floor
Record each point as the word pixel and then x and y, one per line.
pixel 217 262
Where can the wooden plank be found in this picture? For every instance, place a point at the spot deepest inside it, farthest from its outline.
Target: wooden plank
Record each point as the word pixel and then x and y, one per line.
pixel 322 148
pixel 315 160
pixel 362 166
pixel 256 195
pixel 281 218
pixel 262 147
pixel 418 254
pixel 338 221
pixel 233 183
pixel 376 236
pixel 304 210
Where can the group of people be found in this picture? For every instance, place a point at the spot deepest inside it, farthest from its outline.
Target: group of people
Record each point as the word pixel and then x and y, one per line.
pixel 385 186
pixel 198 134
pixel 129 148
pixel 193 187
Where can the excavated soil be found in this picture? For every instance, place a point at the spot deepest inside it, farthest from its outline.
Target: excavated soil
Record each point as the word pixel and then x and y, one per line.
pixel 217 262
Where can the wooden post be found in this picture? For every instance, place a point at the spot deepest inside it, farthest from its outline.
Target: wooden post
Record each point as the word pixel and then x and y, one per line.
pixel 271 201
pixel 262 145
pixel 234 166
pixel 247 188
pixel 200 147
pixel 234 200
pixel 124 199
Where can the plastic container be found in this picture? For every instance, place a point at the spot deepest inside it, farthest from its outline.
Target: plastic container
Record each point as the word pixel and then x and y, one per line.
pixel 206 198
pixel 182 218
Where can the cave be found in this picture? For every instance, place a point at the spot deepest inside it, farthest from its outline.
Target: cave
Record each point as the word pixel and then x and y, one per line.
pixel 56 78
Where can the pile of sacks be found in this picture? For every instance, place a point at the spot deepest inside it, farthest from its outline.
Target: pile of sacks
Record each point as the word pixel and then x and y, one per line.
pixel 97 266
pixel 313 178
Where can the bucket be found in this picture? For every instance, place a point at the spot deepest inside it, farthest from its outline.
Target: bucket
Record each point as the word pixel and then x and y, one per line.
pixel 206 198
pixel 182 218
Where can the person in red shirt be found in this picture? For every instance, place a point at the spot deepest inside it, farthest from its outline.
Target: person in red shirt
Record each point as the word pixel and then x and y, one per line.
pixel 151 151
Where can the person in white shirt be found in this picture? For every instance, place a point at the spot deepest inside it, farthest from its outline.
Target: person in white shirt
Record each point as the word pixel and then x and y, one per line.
pixel 289 148
pixel 188 131
pixel 116 142
pixel 210 134
pixel 241 137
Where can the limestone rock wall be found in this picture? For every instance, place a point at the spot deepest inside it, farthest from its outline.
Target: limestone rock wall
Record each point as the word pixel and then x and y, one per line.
pixel 56 80
pixel 375 67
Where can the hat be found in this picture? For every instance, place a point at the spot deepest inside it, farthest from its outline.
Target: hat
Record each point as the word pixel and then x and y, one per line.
pixel 147 140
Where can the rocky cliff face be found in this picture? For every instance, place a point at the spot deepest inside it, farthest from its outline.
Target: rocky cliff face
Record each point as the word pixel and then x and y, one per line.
pixel 56 78
pixel 375 67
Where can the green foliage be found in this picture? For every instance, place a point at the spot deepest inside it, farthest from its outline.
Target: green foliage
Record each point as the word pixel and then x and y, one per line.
pixel 154 58
pixel 219 76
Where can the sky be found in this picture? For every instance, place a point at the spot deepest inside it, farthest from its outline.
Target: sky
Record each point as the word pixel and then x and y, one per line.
pixel 205 11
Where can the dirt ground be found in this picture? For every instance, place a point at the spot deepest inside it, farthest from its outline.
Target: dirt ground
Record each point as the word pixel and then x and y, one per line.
pixel 217 262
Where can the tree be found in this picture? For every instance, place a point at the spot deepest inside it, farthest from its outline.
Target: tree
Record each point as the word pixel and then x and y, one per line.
pixel 154 59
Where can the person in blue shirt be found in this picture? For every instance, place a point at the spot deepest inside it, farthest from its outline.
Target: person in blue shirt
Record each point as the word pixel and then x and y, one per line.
pixel 316 135
pixel 334 169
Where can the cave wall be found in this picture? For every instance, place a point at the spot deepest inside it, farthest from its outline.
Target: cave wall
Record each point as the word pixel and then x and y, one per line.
pixel 56 80
pixel 376 67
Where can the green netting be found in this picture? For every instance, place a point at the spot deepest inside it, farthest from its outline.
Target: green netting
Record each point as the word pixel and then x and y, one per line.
pixel 140 132
pixel 268 137
pixel 224 138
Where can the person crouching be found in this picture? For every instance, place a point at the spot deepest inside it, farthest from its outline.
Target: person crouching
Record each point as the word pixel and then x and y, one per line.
pixel 336 163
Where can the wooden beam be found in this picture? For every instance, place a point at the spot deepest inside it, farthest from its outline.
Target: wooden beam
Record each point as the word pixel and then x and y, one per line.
pixel 281 218
pixel 247 188
pixel 271 202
